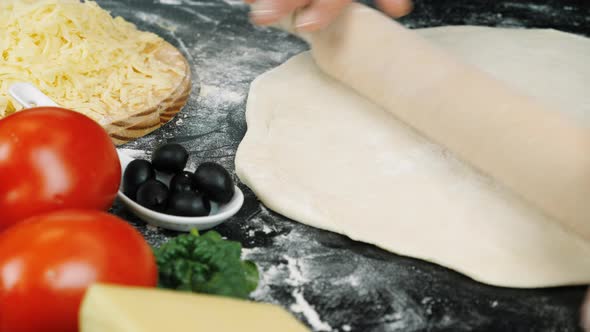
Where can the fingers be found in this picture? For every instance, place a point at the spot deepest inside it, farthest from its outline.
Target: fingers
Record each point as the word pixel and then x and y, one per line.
pixel 395 8
pixel 266 12
pixel 319 14
pixel 315 14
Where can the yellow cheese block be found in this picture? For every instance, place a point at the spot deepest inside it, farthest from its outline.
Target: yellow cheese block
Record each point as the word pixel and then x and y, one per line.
pixel 131 309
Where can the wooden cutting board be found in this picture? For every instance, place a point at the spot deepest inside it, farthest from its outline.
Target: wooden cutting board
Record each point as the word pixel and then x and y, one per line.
pixel 151 117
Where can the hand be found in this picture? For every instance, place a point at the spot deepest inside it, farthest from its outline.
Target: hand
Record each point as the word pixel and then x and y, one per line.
pixel 315 14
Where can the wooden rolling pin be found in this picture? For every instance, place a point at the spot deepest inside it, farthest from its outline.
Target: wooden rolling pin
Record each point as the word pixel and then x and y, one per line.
pixel 531 149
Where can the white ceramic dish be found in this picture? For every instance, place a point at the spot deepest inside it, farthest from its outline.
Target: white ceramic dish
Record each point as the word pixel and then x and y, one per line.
pixel 29 96
pixel 219 213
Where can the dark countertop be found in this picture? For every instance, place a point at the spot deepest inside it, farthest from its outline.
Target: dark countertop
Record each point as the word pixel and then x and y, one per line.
pixel 329 281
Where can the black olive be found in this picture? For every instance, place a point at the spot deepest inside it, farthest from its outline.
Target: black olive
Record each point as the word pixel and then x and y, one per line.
pixel 137 172
pixel 170 158
pixel 153 195
pixel 184 181
pixel 214 182
pixel 188 204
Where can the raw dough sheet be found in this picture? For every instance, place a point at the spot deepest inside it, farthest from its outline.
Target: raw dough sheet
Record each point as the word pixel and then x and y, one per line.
pixel 323 155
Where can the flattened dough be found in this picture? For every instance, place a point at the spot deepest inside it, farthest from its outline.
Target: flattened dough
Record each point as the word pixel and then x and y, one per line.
pixel 321 154
pixel 520 141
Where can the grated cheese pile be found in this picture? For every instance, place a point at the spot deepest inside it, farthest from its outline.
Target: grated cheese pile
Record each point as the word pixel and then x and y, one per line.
pixel 81 57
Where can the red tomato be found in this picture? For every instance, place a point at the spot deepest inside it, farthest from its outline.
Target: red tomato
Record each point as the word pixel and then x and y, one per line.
pixel 52 158
pixel 47 262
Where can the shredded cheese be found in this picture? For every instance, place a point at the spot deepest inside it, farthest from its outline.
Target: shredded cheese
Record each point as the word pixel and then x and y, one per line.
pixel 81 57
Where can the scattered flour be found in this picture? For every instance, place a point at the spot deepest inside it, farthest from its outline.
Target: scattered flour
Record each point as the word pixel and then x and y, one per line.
pixel 490 15
pixel 296 278
pixel 158 20
pixel 303 307
pixel 136 154
pixel 266 229
pixel 217 96
pixel 171 2
pixel 529 6
pixel 292 273
pixel 152 228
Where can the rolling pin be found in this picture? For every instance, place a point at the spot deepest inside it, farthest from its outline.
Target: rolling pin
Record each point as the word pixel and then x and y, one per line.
pixel 535 151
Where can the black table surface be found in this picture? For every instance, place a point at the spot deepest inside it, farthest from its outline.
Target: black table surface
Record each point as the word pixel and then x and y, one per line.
pixel 328 281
